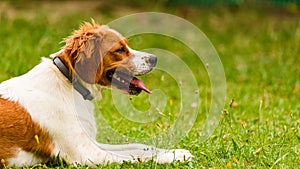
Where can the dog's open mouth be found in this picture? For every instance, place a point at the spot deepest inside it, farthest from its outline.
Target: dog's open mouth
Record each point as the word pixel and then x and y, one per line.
pixel 126 82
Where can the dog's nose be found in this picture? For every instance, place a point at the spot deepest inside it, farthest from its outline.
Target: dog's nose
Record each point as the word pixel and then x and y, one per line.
pixel 153 60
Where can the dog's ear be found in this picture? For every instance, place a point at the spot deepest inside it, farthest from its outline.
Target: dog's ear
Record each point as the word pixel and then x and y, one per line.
pixel 89 65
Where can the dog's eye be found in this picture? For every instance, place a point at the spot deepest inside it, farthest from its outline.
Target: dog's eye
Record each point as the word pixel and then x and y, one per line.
pixel 120 50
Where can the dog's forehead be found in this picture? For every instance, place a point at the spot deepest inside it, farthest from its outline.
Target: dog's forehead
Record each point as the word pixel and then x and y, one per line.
pixel 111 35
pixel 116 33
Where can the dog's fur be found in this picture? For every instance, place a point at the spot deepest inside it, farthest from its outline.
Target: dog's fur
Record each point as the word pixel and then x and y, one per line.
pixel 42 116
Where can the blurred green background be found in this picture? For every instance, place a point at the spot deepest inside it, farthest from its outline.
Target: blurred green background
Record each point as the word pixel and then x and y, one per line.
pixel 258 44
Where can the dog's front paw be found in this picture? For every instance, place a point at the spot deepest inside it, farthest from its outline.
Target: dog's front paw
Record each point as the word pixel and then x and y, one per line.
pixel 174 155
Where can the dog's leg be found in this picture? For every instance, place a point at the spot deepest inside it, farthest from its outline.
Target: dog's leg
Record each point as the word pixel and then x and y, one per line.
pixel 78 147
pixel 86 151
pixel 141 152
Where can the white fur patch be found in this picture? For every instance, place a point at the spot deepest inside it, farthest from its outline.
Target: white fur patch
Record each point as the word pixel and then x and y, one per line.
pixel 23 158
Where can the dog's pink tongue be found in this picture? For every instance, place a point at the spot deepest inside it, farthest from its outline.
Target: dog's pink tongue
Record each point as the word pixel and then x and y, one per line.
pixel 140 84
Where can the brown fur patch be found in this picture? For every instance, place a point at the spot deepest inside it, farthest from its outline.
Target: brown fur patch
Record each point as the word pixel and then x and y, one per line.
pixel 18 130
pixel 74 48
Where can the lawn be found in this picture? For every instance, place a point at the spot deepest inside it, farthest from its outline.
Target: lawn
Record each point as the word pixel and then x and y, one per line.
pixel 259 125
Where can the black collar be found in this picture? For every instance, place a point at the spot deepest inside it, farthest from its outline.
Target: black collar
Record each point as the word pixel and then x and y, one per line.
pixel 86 94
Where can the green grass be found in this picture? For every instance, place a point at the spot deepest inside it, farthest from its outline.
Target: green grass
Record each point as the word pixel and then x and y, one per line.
pixel 259 49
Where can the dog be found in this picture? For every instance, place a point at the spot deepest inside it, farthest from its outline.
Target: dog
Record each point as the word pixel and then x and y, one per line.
pixel 49 112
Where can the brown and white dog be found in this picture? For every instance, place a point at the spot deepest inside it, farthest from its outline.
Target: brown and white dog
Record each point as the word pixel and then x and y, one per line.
pixel 49 111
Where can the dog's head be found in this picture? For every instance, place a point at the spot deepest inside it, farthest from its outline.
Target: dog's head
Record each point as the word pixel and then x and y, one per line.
pixel 100 55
